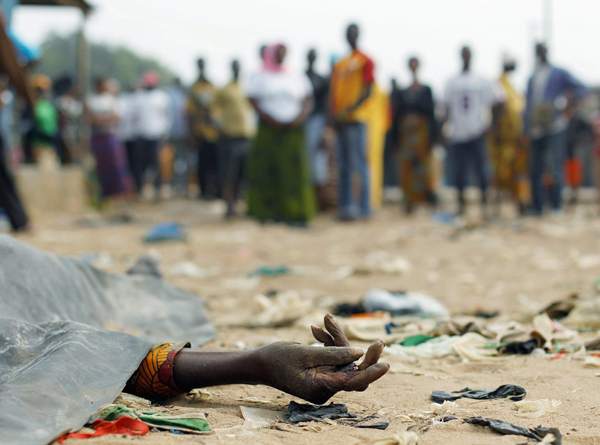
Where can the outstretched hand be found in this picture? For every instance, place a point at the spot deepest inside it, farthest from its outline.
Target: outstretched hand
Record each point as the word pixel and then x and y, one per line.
pixel 316 374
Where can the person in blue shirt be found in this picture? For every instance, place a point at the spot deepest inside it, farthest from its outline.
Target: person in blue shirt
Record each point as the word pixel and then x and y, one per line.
pixel 551 94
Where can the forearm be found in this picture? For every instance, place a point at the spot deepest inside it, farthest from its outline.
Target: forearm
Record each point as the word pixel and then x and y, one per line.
pixel 196 368
pixel 361 99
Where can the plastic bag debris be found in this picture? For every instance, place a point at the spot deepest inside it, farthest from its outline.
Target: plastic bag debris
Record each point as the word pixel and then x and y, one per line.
pixel 539 434
pixel 169 231
pixel 401 438
pixel 297 412
pixel 532 409
pixel 131 401
pixel 260 417
pixel 403 303
pixel 512 392
pixel 189 269
pixel 382 262
pixel 470 347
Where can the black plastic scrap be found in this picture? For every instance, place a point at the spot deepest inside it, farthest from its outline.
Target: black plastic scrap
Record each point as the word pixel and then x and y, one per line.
pixel 513 392
pixel 506 428
pixel 361 423
pixel 523 347
pixel 297 412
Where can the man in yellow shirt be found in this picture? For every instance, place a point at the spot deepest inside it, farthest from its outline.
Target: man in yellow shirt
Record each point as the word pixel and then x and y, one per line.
pixel 205 133
pixel 352 80
pixel 236 130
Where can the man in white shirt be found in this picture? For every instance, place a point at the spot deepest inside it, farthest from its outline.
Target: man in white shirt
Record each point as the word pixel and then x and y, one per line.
pixel 469 100
pixel 152 117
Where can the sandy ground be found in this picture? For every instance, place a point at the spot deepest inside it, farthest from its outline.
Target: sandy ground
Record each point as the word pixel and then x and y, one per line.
pixel 483 267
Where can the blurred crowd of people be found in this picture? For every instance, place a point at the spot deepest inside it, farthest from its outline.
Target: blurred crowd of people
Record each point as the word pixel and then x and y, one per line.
pixel 295 143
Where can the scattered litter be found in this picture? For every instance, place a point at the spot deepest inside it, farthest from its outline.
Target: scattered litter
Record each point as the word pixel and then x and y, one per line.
pixel 192 270
pixel 415 340
pixel 470 347
pixel 512 392
pixel 169 231
pixel 524 347
pixel 297 412
pixel 279 310
pixel 401 438
pixel 198 395
pixel 271 271
pixel 363 423
pixel 131 401
pixel 122 426
pixel 254 400
pixel 240 283
pixel 439 411
pixel 550 436
pixel 193 422
pixel 592 361
pixel 403 303
pixel 260 417
pixel 383 262
pixel 532 409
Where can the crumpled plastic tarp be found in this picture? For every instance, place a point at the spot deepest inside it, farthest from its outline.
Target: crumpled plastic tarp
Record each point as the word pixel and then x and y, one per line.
pixel 58 361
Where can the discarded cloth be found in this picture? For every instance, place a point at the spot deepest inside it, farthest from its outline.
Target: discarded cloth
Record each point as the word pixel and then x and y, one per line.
pixel 170 231
pixel 512 392
pixel 124 425
pixel 189 422
pixel 305 412
pixel 506 428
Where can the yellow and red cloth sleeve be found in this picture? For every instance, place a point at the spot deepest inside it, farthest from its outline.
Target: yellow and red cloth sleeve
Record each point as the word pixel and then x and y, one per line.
pixel 154 377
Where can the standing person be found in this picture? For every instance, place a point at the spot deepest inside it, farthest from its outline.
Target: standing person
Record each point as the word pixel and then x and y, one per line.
pixel 508 153
pixel 278 167
pixel 127 125
pixel 111 160
pixel 469 101
pixel 179 135
pixel 352 80
pixel 152 118
pixel 9 198
pixel 205 133
pixel 549 93
pixel 315 125
pixel 415 131
pixel 236 131
pixel 45 117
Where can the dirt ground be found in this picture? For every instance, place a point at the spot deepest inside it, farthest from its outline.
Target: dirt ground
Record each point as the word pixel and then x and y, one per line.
pixel 487 267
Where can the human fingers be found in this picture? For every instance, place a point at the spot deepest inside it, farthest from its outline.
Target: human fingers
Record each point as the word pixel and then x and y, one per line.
pixel 332 356
pixel 364 378
pixel 372 356
pixel 336 331
pixel 322 336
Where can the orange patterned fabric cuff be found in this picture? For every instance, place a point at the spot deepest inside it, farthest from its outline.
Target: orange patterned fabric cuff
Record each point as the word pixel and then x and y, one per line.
pixel 154 377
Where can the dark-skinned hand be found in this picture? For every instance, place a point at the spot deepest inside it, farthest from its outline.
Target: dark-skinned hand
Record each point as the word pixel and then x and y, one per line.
pixel 316 374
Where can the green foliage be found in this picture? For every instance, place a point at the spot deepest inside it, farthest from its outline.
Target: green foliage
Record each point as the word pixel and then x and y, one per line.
pixel 59 57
